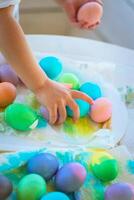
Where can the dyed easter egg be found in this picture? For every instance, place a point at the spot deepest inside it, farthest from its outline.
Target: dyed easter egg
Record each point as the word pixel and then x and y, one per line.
pixel 5 187
pixel 52 66
pixel 84 108
pixel 31 187
pixel 90 14
pixel 91 89
pixel 104 166
pixel 101 110
pixel 7 94
pixel 55 196
pixel 70 177
pixel 7 74
pixel 44 164
pixel 70 78
pixel 44 112
pixel 21 117
pixel 120 191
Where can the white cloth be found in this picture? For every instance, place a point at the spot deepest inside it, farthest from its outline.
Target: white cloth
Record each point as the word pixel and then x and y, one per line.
pixel 4 4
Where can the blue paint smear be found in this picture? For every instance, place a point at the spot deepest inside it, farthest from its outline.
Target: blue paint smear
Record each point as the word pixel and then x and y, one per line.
pixel 130 166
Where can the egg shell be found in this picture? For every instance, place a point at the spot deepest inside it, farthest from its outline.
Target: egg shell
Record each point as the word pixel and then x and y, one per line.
pixel 7 94
pixel 101 110
pixel 90 14
pixel 31 187
pixel 84 108
pixel 70 177
pixel 44 164
pixel 7 74
pixel 104 166
pixel 120 191
pixel 70 78
pixel 20 117
pixel 52 66
pixel 6 187
pixel 55 196
pixel 91 89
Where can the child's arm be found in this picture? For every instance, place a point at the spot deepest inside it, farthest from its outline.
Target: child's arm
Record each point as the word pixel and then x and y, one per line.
pixel 17 52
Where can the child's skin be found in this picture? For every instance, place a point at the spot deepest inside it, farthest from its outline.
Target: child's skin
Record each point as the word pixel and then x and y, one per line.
pixel 16 50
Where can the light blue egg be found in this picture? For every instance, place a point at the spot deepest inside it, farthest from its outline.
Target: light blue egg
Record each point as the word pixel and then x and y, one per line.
pixel 84 107
pixel 55 196
pixel 92 90
pixel 52 66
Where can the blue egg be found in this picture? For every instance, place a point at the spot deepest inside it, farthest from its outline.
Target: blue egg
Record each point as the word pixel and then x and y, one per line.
pixel 55 196
pixel 44 164
pixel 52 66
pixel 92 90
pixel 84 107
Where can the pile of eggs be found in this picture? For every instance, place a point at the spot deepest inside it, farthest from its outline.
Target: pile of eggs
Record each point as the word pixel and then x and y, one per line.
pixel 67 179
pixel 99 112
pixel 23 118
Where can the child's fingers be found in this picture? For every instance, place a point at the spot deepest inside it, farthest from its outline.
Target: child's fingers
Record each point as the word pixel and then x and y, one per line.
pixel 69 8
pixel 79 95
pixel 74 107
pixel 52 114
pixel 62 113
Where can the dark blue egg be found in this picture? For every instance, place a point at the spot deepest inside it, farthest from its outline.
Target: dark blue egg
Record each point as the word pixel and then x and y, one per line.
pixel 91 89
pixel 52 66
pixel 6 187
pixel 44 164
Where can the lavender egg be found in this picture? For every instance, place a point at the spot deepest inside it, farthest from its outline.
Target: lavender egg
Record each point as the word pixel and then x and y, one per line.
pixel 7 74
pixel 120 191
pixel 44 112
pixel 44 164
pixel 70 177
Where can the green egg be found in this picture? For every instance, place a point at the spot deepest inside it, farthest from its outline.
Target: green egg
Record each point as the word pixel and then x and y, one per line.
pixel 104 166
pixel 31 187
pixel 21 117
pixel 70 78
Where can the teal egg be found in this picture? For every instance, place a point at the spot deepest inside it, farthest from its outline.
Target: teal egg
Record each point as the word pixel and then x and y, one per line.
pixel 91 89
pixel 31 187
pixel 55 196
pixel 84 107
pixel 20 117
pixel 52 66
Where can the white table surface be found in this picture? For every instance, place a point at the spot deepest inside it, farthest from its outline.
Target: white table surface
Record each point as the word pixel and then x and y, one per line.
pixel 88 49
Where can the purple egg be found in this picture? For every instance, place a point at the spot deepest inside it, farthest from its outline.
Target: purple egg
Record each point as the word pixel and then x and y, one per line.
pixel 44 164
pixel 120 191
pixel 70 177
pixel 7 74
pixel 44 112
pixel 5 187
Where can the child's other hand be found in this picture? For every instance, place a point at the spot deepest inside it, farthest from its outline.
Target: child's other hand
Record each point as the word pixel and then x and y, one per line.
pixel 56 97
pixel 72 6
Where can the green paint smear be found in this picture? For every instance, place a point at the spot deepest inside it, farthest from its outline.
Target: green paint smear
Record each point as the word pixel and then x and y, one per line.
pixel 83 127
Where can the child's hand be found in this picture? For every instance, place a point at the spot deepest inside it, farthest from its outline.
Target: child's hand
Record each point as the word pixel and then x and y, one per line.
pixel 72 6
pixel 56 97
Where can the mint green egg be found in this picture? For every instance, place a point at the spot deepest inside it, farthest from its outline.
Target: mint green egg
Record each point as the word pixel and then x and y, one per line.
pixel 70 78
pixel 31 187
pixel 20 117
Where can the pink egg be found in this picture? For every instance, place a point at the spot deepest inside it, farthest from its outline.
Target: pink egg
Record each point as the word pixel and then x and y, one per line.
pixel 101 110
pixel 90 14
pixel 7 74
